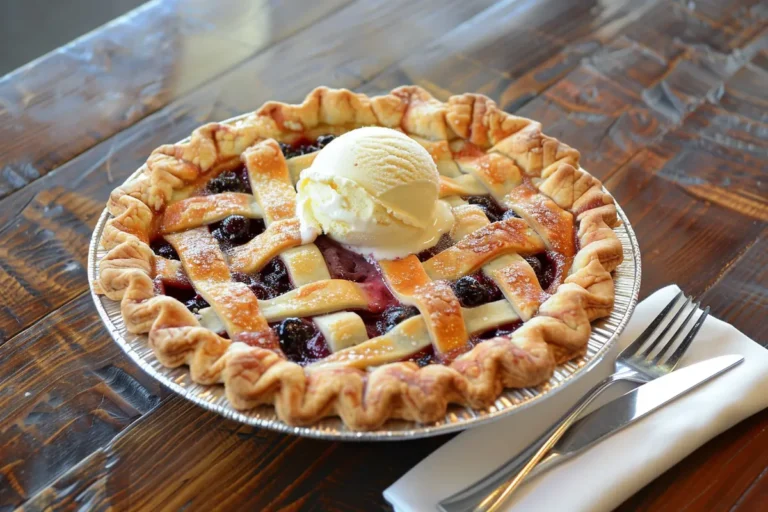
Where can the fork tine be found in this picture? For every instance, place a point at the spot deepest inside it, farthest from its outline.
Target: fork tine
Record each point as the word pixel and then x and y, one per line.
pixel 632 348
pixel 674 337
pixel 674 359
pixel 655 343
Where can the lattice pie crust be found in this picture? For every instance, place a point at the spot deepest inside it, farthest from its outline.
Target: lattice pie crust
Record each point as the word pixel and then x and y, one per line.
pixel 478 149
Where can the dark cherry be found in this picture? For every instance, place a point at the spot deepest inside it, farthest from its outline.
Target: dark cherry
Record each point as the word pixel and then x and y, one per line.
pixel 507 329
pixel 196 303
pixel 236 228
pixel 491 209
pixel 425 360
pixel 324 140
pixel 482 201
pixel 502 330
pixel 294 334
pixel 183 294
pixel 271 281
pixel 442 244
pixel 275 278
pixel 229 181
pixel 510 214
pixel 253 282
pixel 304 147
pixel 493 291
pixel 471 292
pixel 345 264
pixel 261 291
pixel 220 235
pixel 242 277
pixel 423 357
pixel 545 265
pixel 316 349
pixel 164 249
pixel 371 321
pixel 536 265
pixel 394 315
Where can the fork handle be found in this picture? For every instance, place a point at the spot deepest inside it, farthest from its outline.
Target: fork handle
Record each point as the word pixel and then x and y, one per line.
pixel 489 493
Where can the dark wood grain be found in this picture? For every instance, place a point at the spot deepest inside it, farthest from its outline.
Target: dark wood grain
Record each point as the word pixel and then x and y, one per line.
pixel 512 51
pixel 265 470
pixel 670 223
pixel 739 297
pixel 67 389
pixel 666 100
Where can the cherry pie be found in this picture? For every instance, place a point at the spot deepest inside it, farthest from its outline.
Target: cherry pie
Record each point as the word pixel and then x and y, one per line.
pixel 207 256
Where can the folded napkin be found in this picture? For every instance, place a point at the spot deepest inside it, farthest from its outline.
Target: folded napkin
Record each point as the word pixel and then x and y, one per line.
pixel 605 475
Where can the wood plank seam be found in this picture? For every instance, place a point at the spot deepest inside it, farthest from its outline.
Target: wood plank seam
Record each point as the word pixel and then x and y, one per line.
pixel 723 272
pixel 749 489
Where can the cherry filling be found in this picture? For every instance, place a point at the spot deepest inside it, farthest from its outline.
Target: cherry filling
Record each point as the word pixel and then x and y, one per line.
pixel 381 322
pixel 548 266
pixel 351 266
pixel 343 263
pixel 270 282
pixel 163 249
pixel 442 244
pixel 428 356
pixel 475 290
pixel 301 341
pixel 186 295
pixel 305 146
pixel 493 210
pixel 424 357
pixel 236 230
pixel 229 181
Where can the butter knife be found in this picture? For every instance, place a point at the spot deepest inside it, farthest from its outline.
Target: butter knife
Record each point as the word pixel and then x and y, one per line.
pixel 605 421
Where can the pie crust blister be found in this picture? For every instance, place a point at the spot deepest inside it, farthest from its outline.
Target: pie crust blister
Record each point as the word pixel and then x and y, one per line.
pixel 478 150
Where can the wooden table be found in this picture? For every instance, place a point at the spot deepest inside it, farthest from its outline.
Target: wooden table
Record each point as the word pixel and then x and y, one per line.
pixel 667 101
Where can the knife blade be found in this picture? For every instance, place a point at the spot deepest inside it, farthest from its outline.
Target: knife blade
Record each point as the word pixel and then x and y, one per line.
pixel 630 407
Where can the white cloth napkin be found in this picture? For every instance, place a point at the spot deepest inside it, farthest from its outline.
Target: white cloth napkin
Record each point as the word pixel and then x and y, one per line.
pixel 604 476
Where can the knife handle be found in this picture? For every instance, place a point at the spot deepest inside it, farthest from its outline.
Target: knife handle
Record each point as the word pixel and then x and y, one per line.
pixel 488 493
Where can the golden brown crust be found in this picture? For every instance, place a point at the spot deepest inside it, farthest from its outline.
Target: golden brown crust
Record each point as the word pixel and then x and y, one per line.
pixel 270 180
pixel 255 372
pixel 435 300
pixel 483 245
pixel 199 210
pixel 279 236
pixel 171 272
pixel 496 172
pixel 552 223
pixel 518 282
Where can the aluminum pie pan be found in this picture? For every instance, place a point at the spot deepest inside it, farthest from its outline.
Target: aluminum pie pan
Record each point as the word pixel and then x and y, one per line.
pixel 605 332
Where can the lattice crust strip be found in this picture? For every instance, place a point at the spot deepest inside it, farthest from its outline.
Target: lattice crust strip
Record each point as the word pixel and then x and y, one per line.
pixel 478 148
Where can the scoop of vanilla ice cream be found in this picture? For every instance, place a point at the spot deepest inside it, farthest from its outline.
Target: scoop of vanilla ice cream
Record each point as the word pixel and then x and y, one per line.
pixel 375 190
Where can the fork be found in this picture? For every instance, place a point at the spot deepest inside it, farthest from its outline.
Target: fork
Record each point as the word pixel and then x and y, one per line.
pixel 635 363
